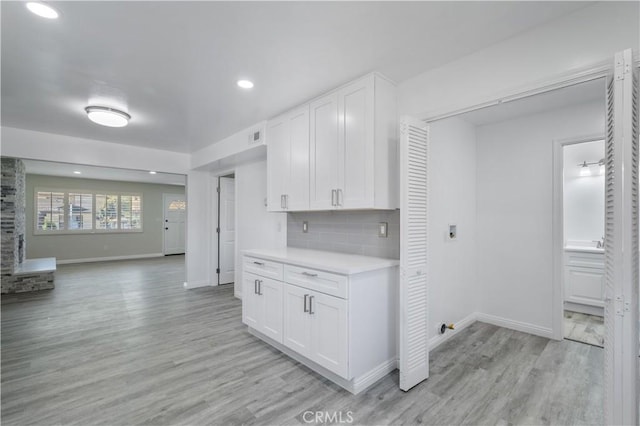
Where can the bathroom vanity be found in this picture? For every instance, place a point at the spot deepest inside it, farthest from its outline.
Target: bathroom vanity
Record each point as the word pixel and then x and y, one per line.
pixel 333 312
pixel 584 278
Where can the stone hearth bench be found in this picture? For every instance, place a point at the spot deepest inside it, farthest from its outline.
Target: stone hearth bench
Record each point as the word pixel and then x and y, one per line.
pixel 31 275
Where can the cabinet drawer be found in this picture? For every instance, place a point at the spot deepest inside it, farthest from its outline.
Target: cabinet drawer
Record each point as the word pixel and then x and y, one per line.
pixel 585 260
pixel 324 282
pixel 264 268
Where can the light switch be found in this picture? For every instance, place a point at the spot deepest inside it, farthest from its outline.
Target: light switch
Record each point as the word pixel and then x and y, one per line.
pixel 305 226
pixel 382 229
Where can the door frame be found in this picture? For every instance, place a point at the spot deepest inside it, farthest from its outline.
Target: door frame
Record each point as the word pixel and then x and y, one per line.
pixel 215 213
pixel 557 303
pixel 217 231
pixel 164 218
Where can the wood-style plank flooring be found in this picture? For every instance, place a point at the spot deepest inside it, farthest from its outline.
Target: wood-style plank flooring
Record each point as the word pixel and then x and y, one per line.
pixel 123 343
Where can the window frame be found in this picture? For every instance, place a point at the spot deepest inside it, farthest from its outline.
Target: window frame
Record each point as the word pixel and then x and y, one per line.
pixel 94 222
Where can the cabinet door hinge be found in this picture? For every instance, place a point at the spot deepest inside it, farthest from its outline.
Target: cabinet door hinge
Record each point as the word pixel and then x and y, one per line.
pixel 217 230
pixel 218 189
pixel 217 270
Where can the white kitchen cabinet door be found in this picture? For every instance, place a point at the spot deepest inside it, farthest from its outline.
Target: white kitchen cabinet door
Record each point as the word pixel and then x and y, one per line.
pixel 356 145
pixel 297 193
pixel 278 161
pixel 329 332
pixel 251 303
pixel 271 299
pixel 324 155
pixel 297 322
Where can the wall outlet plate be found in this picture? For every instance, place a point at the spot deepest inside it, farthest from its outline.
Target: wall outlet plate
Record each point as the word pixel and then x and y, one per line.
pixel 305 226
pixel 453 232
pixel 382 229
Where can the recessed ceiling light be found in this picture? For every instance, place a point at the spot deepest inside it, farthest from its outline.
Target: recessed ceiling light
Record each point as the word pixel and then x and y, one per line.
pixel 42 9
pixel 106 116
pixel 152 172
pixel 245 84
pixel 75 172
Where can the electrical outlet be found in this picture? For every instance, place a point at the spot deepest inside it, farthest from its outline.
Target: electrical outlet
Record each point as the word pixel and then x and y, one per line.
pixel 382 229
pixel 305 226
pixel 453 232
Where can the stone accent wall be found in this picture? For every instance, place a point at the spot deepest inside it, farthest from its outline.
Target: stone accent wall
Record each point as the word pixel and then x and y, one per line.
pixel 12 230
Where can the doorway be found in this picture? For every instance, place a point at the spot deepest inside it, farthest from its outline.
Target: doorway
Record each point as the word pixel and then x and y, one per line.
pixel 579 181
pixel 226 229
pixel 174 223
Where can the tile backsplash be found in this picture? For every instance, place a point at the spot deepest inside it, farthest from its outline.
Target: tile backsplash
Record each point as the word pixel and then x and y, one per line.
pixel 354 232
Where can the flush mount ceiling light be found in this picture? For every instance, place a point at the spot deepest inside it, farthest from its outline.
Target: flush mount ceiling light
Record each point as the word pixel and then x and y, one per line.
pixel 76 172
pixel 42 9
pixel 152 172
pixel 245 84
pixel 106 116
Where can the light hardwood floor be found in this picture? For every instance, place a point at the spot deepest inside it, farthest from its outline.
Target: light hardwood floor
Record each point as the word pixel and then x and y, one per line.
pixel 584 328
pixel 123 343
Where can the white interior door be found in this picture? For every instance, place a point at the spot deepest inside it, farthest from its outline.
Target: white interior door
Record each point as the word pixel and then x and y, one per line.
pixel 621 245
pixel 414 331
pixel 175 214
pixel 227 230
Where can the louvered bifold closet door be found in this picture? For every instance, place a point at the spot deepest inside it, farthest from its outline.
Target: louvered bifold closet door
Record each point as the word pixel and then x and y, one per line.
pixel 414 336
pixel 621 245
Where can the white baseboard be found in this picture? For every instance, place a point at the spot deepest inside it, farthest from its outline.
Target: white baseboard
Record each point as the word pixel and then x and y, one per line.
pixel 196 284
pixel 585 309
pixel 515 325
pixel 439 339
pixel 108 259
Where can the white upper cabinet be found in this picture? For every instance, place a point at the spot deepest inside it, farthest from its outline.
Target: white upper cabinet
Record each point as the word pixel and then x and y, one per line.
pixel 288 161
pixel 352 151
pixel 325 152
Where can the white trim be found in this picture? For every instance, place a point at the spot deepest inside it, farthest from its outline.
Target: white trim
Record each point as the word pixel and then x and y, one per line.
pixel 557 239
pixel 109 258
pixel 439 339
pixel 515 325
pixel 355 386
pixel 584 309
pixel 196 284
pixel 558 81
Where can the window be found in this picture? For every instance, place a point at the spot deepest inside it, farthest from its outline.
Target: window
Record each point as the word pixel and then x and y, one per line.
pixel 50 211
pixel 69 211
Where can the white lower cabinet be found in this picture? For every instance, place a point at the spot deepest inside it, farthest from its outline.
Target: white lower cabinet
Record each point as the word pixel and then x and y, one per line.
pixel 343 326
pixel 315 325
pixel 584 278
pixel 262 305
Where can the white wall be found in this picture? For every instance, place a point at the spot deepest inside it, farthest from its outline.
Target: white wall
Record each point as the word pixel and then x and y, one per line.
pixel 72 247
pixel 589 36
pixel 584 208
pixel 200 226
pixel 256 228
pixel 514 181
pixel 28 144
pixel 453 286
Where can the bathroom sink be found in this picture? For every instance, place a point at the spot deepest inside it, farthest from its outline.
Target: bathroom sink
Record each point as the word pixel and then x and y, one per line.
pixel 584 246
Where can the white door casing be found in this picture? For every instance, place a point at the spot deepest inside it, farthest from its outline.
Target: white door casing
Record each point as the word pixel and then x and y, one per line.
pixel 621 245
pixel 414 334
pixel 174 223
pixel 227 230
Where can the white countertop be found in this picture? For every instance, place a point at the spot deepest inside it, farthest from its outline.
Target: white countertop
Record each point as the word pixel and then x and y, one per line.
pixel 340 263
pixel 584 249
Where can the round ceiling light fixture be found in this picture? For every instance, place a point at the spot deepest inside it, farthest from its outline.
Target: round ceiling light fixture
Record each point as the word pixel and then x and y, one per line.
pixel 42 9
pixel 107 116
pixel 245 84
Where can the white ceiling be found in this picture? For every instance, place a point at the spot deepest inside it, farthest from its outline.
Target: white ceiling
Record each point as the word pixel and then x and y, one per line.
pixel 577 94
pixel 49 168
pixel 174 65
